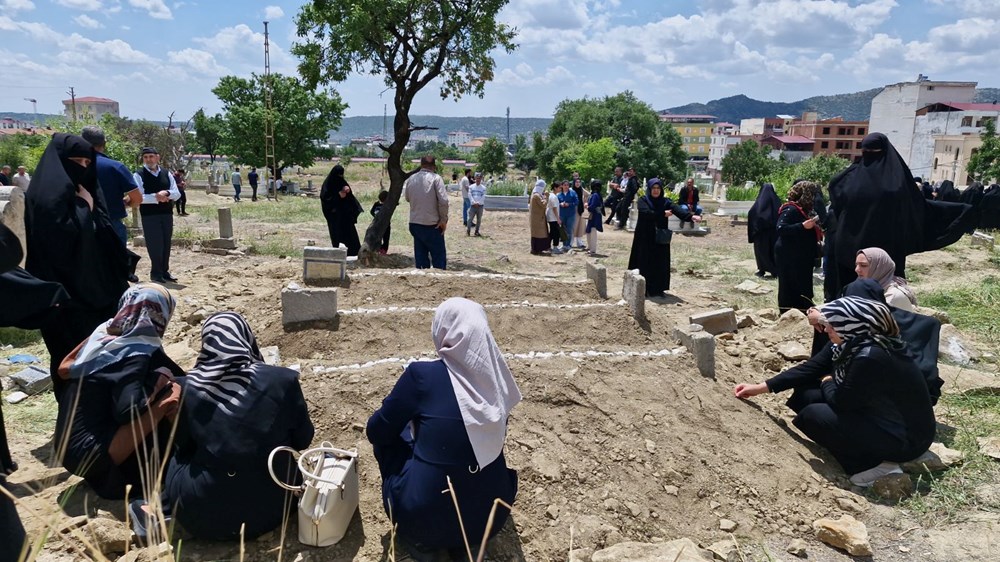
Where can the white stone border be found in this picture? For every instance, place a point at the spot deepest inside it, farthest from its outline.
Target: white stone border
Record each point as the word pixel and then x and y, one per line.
pixel 459 274
pixel 513 305
pixel 320 369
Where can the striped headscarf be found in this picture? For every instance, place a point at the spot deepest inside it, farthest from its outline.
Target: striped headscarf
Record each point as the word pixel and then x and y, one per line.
pixel 859 322
pixel 137 329
pixel 228 356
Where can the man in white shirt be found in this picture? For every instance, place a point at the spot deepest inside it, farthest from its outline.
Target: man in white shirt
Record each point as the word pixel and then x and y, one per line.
pixel 21 178
pixel 552 216
pixel 237 184
pixel 428 198
pixel 477 202
pixel 463 186
pixel 159 191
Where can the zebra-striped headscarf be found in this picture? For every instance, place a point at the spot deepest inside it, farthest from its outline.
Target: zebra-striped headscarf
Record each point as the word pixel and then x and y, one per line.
pixel 859 322
pixel 229 353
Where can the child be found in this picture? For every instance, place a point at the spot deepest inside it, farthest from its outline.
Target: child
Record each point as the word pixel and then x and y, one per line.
pixel 552 216
pixel 595 223
pixel 376 207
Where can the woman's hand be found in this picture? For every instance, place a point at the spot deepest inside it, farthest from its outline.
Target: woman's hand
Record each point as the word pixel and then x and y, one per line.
pixel 749 390
pixel 696 218
pixel 808 224
pixel 86 196
pixel 668 213
pixel 166 396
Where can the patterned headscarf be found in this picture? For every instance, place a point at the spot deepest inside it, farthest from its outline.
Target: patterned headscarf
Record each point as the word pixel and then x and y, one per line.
pixel 137 329
pixel 882 269
pixel 229 353
pixel 803 194
pixel 859 322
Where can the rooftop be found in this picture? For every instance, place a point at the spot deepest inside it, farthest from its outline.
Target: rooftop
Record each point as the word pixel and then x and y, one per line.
pixel 792 139
pixel 89 99
pixel 956 106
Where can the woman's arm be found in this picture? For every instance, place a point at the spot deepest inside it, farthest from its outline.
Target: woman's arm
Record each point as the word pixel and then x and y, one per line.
pixel 167 395
pixel 852 393
pixel 789 223
pixel 397 410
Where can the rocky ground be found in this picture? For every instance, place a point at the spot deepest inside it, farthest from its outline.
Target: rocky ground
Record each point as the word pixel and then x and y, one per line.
pixel 619 439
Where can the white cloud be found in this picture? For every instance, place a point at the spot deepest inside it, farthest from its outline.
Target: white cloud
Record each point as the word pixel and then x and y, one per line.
pixel 114 51
pixel 35 30
pixel 14 6
pixel 156 8
pixel 523 75
pixel 196 61
pixel 987 8
pixel 85 5
pixel 242 45
pixel 272 13
pixel 83 20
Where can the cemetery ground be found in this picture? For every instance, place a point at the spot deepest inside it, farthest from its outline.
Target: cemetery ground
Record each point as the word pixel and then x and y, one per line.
pixel 619 437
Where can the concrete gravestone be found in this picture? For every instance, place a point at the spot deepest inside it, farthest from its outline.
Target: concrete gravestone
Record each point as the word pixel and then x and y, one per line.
pixel 599 275
pixel 225 240
pixel 307 304
pixel 634 293
pixel 323 266
pixel 12 213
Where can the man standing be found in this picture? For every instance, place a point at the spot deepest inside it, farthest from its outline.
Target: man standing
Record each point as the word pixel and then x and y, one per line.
pixel 477 202
pixel 5 175
pixel 117 183
pixel 615 193
pixel 428 198
pixel 237 184
pixel 252 178
pixel 631 187
pixel 463 186
pixel 159 191
pixel 21 178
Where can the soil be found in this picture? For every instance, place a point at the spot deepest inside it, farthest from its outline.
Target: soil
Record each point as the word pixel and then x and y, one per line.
pixel 608 448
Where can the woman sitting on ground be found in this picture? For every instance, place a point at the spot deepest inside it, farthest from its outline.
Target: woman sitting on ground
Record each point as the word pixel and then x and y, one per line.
pixel 651 242
pixel 447 419
pixel 120 388
pixel 236 410
pixel 875 410
pixel 875 263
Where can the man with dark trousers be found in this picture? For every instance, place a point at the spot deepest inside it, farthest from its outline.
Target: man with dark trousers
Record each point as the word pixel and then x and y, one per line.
pixel 631 187
pixel 159 191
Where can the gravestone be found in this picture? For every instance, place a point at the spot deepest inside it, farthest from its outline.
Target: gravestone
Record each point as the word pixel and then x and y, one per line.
pixel 599 275
pixel 634 293
pixel 12 213
pixel 323 265
pixel 307 304
pixel 33 380
pixel 981 239
pixel 715 321
pixel 633 216
pixel 225 240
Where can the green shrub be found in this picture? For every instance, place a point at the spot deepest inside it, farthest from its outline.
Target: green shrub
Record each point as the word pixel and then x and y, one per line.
pixel 507 187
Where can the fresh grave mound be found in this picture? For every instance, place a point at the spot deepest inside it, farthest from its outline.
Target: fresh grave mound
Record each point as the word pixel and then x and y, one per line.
pixel 422 290
pixel 359 338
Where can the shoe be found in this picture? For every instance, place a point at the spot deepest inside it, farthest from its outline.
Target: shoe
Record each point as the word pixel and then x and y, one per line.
pixel 556 251
pixel 477 234
pixel 468 233
pixel 133 278
pixel 868 477
pixel 170 277
pixel 383 252
pixel 759 274
pixel 159 280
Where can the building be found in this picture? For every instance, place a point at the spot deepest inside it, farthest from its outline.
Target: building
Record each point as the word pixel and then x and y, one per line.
pixel 91 107
pixel 724 137
pixel 472 145
pixel 832 136
pixel 695 131
pixel 795 148
pixel 945 119
pixel 951 157
pixel 894 110
pixel 10 123
pixel 458 138
pixel 762 126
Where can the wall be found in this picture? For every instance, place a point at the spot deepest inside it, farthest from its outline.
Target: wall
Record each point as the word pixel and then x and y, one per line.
pixel 926 127
pixel 893 109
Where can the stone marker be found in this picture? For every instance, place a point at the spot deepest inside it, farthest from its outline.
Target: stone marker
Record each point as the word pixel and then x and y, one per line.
pixel 633 216
pixel 12 213
pixel 716 321
pixel 981 239
pixel 703 348
pixel 680 550
pixel 846 533
pixel 33 380
pixel 301 304
pixel 989 446
pixel 634 293
pixel 219 244
pixel 954 348
pixel 599 275
pixel 15 397
pixel 271 355
pixel 793 351
pixel 683 334
pixel 937 458
pixel 225 222
pixel 323 265
pixel 139 241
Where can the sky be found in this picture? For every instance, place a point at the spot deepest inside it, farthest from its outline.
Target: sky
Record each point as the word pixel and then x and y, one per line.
pixel 158 56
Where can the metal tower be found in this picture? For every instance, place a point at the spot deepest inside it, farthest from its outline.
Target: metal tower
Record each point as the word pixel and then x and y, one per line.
pixel 270 164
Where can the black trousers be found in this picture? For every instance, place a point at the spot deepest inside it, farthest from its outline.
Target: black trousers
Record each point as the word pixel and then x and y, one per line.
pixel 253 191
pixel 159 232
pixel 612 203
pixel 11 530
pixel 182 204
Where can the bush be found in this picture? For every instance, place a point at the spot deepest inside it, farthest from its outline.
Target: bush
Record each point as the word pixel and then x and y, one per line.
pixel 742 193
pixel 507 187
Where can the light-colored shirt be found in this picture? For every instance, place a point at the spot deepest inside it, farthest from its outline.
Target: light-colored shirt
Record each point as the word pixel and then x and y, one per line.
pixel 150 198
pixel 236 179
pixel 20 181
pixel 463 186
pixel 428 198
pixel 552 209
pixel 477 194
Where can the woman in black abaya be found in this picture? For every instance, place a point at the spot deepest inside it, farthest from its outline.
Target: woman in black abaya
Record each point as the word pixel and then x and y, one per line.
pixel 651 250
pixel 71 241
pixel 876 204
pixel 948 193
pixel 795 251
pixel 341 210
pixel 762 230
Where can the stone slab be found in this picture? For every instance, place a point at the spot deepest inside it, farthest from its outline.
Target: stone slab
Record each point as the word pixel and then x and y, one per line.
pixel 634 293
pixel 684 333
pixel 984 240
pixel 16 397
pixel 599 275
pixel 219 243
pixel 225 222
pixel 953 347
pixel 680 550
pixel 12 214
pixel 703 348
pixel 307 304
pixel 271 355
pixel 32 380
pixel 138 241
pixel 325 253
pixel 715 321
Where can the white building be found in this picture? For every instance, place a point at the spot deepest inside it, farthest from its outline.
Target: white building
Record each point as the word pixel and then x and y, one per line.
pixel 458 138
pixel 724 137
pixel 945 119
pixel 894 110
pixel 90 107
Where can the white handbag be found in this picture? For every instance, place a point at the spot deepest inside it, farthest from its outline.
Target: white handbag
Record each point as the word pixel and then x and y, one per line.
pixel 329 492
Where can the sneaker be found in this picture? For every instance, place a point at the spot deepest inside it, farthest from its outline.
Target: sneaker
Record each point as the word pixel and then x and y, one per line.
pixel 556 251
pixel 868 477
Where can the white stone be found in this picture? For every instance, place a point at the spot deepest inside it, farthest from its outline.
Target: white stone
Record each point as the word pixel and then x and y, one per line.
pixel 634 293
pixel 715 321
pixel 301 304
pixel 680 550
pixel 12 214
pixel 846 533
pixel 793 351
pixel 954 348
pixel 937 458
pixel 15 397
pixel 599 275
pixel 989 446
pixel 33 380
pixel 703 348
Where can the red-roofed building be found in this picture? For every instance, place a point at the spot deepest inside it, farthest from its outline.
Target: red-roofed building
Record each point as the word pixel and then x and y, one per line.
pixel 91 107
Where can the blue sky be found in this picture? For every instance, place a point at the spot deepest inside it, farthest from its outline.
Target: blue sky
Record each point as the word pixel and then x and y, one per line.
pixel 158 56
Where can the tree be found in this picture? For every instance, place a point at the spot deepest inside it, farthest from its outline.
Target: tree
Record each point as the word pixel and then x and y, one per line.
pixel 491 158
pixel 409 44
pixel 984 164
pixel 208 133
pixel 747 161
pixel 594 159
pixel 303 118
pixel 524 156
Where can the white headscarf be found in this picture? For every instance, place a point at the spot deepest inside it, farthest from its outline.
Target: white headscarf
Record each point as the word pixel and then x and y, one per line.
pixel 483 384
pixel 539 187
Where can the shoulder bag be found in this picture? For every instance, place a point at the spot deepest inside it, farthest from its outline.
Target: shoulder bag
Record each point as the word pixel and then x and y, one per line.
pixel 663 236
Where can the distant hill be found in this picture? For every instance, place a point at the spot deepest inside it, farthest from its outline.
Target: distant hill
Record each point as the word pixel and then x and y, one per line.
pixel 852 107
pixel 28 117
pixel 369 125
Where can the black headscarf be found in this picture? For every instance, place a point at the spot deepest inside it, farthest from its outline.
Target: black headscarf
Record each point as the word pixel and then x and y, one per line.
pixel 345 208
pixel 989 208
pixel 763 215
pixel 658 204
pixel 67 241
pixel 579 196
pixel 948 193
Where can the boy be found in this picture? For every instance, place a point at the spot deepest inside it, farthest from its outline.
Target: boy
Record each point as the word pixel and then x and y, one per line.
pixel 376 207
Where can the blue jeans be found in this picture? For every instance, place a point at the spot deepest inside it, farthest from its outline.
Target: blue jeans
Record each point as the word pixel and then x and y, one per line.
pixel 697 209
pixel 569 222
pixel 466 203
pixel 120 230
pixel 428 239
pixel 236 188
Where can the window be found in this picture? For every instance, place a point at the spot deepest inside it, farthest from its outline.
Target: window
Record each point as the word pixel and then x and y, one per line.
pixel 957 151
pixel 967 121
pixel 861 130
pixel 930 88
pixel 826 130
pixel 702 131
pixel 842 131
pixel 824 144
pixel 982 122
pixel 687 130
pixel 857 145
pixel 701 149
pixel 701 139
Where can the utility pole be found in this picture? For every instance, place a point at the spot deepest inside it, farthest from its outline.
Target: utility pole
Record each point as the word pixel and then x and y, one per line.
pixel 34 109
pixel 508 125
pixel 72 97
pixel 270 163
pixel 385 119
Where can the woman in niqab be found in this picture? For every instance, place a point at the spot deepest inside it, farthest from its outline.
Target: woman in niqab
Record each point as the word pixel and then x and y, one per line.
pixel 651 251
pixel 447 420
pixel 341 209
pixel 762 229
pixel 948 193
pixel 70 241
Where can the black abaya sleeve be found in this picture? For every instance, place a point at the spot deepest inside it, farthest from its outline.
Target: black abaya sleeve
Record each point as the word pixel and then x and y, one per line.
pixel 680 213
pixel 945 223
pixel 11 252
pixel 817 367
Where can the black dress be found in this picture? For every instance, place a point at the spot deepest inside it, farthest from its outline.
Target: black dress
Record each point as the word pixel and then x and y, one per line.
pixel 652 259
pixel 762 229
pixel 795 255
pixel 341 213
